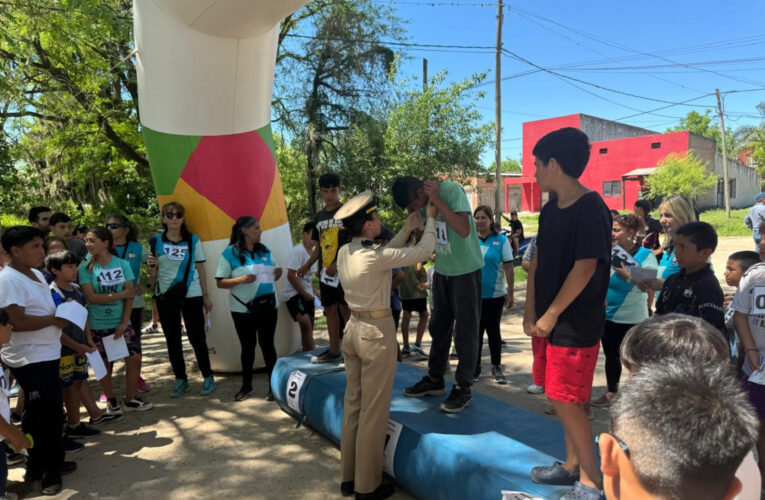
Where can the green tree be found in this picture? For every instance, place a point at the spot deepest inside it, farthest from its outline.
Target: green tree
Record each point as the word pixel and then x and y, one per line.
pixel 751 140
pixel 706 126
pixel 682 174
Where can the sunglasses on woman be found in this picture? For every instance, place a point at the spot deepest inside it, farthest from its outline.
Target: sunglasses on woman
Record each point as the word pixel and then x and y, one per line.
pixel 114 225
pixel 174 215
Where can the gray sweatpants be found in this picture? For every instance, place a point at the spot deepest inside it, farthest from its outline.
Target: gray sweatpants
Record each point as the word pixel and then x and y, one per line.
pixel 456 301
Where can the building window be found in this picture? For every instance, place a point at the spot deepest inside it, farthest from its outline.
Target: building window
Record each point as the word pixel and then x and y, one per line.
pixel 655 145
pixel 732 188
pixel 612 188
pixel 603 151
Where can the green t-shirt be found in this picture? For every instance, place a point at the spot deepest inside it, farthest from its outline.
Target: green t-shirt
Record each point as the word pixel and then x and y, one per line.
pixel 456 255
pixel 410 288
pixel 110 278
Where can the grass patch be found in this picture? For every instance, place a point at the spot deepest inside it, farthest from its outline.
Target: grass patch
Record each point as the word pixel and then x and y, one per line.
pixel 723 225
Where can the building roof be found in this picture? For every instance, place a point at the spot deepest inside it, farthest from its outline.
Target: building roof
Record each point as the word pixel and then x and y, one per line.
pixel 640 172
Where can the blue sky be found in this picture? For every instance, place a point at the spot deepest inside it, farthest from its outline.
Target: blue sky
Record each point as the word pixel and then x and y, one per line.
pixel 647 46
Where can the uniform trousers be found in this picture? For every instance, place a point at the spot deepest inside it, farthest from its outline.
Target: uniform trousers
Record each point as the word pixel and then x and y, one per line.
pixel 369 349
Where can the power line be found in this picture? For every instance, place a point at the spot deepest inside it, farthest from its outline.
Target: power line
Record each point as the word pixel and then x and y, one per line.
pixel 395 44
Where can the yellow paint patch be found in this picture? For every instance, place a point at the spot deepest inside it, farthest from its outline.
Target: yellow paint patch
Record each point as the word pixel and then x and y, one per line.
pixel 275 212
pixel 203 218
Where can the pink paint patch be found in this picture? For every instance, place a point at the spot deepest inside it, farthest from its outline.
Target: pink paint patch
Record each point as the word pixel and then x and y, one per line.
pixel 234 172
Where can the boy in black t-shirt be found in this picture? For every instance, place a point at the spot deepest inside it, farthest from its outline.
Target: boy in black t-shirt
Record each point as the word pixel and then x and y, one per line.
pixel 565 301
pixel 695 290
pixel 328 237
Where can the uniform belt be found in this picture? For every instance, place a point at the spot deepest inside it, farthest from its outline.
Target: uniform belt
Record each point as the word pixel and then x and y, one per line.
pixel 384 313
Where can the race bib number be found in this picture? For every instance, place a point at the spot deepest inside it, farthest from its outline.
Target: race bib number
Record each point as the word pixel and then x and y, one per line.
pixel 391 441
pixel 441 237
pixel 758 300
pixel 111 277
pixel 294 383
pixel 175 252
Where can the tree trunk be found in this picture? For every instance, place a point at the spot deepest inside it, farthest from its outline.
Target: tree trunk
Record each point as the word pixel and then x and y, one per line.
pixel 310 169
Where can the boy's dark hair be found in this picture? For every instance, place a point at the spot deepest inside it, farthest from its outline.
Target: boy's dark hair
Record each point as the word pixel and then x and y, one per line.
pixel 570 146
pixel 309 227
pixel 688 426
pixel 51 239
pixel 34 213
pixel 761 227
pixel 513 213
pixel 4 317
pixel 59 217
pixel 18 236
pixel 58 258
pixel 672 335
pixel 745 259
pixel 80 229
pixel 405 190
pixel 701 234
pixel 645 205
pixel 329 180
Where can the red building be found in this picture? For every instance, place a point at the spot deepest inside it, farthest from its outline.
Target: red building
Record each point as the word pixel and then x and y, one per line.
pixel 620 159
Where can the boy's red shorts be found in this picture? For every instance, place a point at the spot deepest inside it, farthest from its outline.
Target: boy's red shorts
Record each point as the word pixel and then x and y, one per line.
pixel 568 373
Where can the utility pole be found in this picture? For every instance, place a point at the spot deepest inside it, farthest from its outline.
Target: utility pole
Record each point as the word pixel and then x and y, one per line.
pixel 499 188
pixel 726 189
pixel 424 74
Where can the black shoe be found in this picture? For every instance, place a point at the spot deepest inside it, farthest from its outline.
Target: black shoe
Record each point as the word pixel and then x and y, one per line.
pixel 14 458
pixel 327 357
pixel 51 487
pixel 426 387
pixel 346 488
pixel 383 491
pixel 15 418
pixel 458 400
pixel 72 446
pixel 243 393
pixel 270 395
pixel 68 467
pixel 32 475
pixel 81 430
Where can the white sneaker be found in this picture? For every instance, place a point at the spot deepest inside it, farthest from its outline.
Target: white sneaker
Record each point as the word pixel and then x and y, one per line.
pixel 535 389
pixel 113 407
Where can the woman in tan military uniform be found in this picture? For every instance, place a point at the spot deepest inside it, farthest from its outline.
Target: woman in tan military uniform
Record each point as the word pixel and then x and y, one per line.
pixel 369 345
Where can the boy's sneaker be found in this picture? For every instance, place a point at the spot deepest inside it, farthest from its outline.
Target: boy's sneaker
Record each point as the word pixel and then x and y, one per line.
pixel 603 401
pixel 405 351
pixel 554 474
pixel 208 386
pixel 143 386
pixel 181 386
pixel 72 446
pixel 113 407
pixel 326 357
pixel 137 404
pixel 14 458
pixel 270 395
pixel 583 492
pixel 476 377
pixel 81 430
pixel 426 387
pixel 15 418
pixel 153 328
pixel 104 418
pixel 458 400
pixel 418 350
pixel 535 389
pixel 497 376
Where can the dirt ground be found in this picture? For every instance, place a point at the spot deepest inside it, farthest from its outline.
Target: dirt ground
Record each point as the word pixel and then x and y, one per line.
pixel 212 447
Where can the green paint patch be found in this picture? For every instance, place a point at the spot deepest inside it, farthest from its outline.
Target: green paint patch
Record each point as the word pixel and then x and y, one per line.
pixel 168 154
pixel 268 137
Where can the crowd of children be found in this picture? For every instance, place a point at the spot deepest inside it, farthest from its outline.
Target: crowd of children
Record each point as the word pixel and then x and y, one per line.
pixel 594 278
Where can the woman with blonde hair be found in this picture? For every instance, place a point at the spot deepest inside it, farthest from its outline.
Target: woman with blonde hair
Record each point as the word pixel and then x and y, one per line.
pixel 674 212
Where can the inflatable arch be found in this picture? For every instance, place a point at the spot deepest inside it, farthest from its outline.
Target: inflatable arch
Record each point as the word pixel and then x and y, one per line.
pixel 205 80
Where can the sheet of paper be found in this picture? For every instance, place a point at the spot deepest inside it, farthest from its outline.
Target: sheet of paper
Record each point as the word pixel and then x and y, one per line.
pixel 294 383
pixel 333 281
pixel 640 273
pixel 518 495
pixel 619 255
pixel 73 312
pixel 263 274
pixel 115 349
pixel 391 441
pixel 97 363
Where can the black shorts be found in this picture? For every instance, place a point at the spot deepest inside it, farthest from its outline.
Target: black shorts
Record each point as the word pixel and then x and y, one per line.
pixel 298 305
pixel 418 305
pixel 331 295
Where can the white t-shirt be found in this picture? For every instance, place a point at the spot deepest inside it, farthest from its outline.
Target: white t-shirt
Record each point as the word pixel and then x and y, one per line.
pixel 34 296
pixel 299 256
pixel 5 406
pixel 750 300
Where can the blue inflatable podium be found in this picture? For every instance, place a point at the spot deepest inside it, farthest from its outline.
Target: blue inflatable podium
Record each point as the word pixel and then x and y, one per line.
pixel 474 454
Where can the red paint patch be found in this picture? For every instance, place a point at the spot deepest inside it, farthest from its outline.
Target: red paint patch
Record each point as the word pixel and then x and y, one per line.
pixel 234 172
